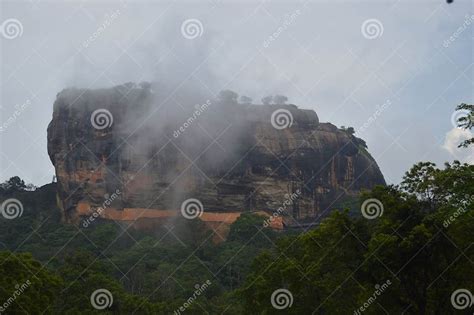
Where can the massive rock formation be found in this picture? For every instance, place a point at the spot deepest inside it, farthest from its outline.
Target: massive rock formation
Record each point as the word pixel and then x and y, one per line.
pixel 152 152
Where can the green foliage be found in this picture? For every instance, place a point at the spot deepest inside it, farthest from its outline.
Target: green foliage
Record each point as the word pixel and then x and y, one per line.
pixel 437 187
pixel 421 246
pixel 334 268
pixel 14 184
pixel 84 274
pixel 149 273
pixel 249 228
pixel 466 122
pixel 25 285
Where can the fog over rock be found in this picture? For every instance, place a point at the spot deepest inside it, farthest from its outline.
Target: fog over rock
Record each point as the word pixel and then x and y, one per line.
pixel 232 157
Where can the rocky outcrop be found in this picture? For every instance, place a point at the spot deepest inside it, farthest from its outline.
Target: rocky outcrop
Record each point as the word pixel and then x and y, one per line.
pixel 153 153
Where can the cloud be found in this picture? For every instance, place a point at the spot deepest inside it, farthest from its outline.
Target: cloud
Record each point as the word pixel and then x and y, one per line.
pixel 453 138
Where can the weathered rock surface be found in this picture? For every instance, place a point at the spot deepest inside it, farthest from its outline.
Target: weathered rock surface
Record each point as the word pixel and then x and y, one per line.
pixel 229 156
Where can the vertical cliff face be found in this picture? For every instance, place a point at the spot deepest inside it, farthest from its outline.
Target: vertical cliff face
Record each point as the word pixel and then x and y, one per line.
pixel 231 157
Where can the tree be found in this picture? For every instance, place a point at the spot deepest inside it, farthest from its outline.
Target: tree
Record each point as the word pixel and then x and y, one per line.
pixel 228 96
pixel 83 274
pixel 30 187
pixel 249 228
pixel 267 100
pixel 313 273
pixel 280 99
pixel 434 186
pixel 420 181
pixel 349 130
pixel 466 122
pixel 25 285
pixel 14 184
pixel 420 256
pixel 245 100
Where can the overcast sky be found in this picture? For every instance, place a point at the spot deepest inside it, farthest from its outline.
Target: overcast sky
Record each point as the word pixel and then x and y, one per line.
pixel 348 60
